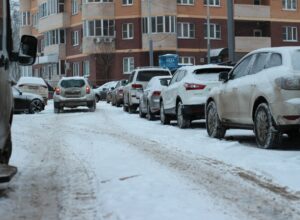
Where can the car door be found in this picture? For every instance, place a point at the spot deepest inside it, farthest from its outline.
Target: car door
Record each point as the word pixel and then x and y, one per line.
pixel 167 92
pixel 229 97
pixel 127 88
pixel 146 94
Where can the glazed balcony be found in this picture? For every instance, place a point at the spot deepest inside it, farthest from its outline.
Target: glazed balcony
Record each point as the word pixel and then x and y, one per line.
pixel 247 44
pixel 54 21
pixel 159 8
pixel 97 10
pixel 58 49
pixel 252 12
pixel 94 45
pixel 161 41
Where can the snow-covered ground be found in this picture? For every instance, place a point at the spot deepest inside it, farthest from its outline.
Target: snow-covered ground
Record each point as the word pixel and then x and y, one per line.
pixel 112 165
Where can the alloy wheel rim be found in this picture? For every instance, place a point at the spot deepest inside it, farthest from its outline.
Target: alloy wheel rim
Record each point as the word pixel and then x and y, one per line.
pixel 36 106
pixel 211 119
pixel 179 114
pixel 262 126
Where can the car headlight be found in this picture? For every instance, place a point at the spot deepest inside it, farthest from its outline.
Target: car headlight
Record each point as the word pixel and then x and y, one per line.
pixel 288 83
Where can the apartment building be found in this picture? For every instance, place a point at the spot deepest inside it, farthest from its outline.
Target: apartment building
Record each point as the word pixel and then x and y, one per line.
pixel 107 39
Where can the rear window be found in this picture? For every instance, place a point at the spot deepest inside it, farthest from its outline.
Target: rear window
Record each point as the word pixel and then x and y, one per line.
pixel 165 82
pixel 211 74
pixel 146 75
pixel 72 83
pixel 295 60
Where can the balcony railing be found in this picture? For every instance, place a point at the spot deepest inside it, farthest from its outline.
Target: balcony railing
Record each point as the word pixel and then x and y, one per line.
pixel 54 21
pixel 59 49
pixel 247 44
pixel 252 12
pixel 161 41
pixel 94 45
pixel 95 10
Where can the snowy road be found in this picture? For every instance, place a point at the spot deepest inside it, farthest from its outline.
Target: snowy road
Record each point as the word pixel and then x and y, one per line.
pixel 116 166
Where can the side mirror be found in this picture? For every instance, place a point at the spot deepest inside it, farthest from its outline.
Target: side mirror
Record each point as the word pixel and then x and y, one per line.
pixel 27 51
pixel 223 76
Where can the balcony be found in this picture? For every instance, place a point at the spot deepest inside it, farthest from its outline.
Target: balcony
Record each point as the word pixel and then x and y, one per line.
pixel 25 5
pixel 57 49
pixel 54 21
pixel 94 45
pixel 25 30
pixel 161 41
pixel 251 12
pixel 97 10
pixel 247 44
pixel 159 8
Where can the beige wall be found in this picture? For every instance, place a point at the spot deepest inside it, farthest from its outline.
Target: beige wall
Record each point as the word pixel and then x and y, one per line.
pixel 165 41
pixel 90 46
pixel 158 7
pixel 252 12
pixel 55 21
pixel 59 49
pixel 122 11
pixel 247 44
pixel 91 11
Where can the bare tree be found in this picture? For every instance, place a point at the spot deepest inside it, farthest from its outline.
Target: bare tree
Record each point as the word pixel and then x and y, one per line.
pixel 107 57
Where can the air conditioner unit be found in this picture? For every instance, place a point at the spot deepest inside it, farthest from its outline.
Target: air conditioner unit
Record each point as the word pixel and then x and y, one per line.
pixel 98 40
pixel 108 40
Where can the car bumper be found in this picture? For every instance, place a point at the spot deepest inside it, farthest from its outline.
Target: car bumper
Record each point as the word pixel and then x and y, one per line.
pixel 73 102
pixel 286 113
pixel 196 111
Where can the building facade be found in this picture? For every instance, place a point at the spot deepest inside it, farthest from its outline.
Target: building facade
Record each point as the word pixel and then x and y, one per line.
pixel 106 39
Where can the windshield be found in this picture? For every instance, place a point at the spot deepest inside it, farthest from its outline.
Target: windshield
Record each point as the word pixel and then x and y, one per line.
pixel 211 74
pixel 146 75
pixel 72 83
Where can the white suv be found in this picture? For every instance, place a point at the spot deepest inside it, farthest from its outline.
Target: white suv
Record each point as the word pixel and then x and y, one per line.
pixel 262 93
pixel 184 98
pixel 73 92
pixel 138 80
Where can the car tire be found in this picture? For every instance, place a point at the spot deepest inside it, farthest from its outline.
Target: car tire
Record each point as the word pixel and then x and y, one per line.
pixel 118 104
pixel 164 119
pixel 131 109
pixel 150 116
pixel 5 154
pixel 97 98
pixel 141 114
pixel 92 108
pixel 182 120
pixel 214 126
pixel 267 136
pixel 35 106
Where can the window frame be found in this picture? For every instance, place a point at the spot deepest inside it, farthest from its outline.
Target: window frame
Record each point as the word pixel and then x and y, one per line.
pixel 129 62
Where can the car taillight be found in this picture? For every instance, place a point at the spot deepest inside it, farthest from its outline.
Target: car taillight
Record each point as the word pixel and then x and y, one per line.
pixel 156 93
pixel 137 86
pixel 194 86
pixel 292 117
pixel 57 91
pixel 288 83
pixel 88 90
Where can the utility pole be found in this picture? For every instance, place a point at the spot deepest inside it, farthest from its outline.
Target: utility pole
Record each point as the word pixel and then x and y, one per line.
pixel 150 34
pixel 208 30
pixel 230 31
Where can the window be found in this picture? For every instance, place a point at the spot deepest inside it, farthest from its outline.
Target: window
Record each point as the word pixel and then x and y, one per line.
pixel 290 33
pixel 128 65
pixel 35 20
pixel 212 2
pixel 127 31
pixel 289 4
pixel 75 69
pixel 25 18
pixel 185 30
pixel 259 63
pixel 43 10
pixel 187 60
pixel 257 33
pixel 99 28
pixel 159 24
pixel 86 68
pixel 100 1
pixel 242 68
pixel 54 37
pixel 75 38
pixel 185 2
pixel 74 7
pixel 215 31
pixel 274 60
pixel 127 2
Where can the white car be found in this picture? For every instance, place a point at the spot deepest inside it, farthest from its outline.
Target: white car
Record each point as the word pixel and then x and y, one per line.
pixel 262 93
pixel 184 98
pixel 102 90
pixel 73 92
pixel 137 82
pixel 149 101
pixel 34 85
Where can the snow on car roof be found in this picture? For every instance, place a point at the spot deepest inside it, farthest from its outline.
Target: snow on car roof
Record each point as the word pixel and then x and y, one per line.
pixel 31 81
pixel 205 66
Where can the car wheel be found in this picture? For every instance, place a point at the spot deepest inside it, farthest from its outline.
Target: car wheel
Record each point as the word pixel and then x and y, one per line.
pixel 35 106
pixel 213 124
pixel 131 109
pixel 93 107
pixel 125 108
pixel 150 116
pixel 141 114
pixel 118 104
pixel 265 132
pixel 182 120
pixel 97 98
pixel 164 119
pixel 6 152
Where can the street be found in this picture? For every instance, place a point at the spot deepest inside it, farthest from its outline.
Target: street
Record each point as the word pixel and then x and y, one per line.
pixel 113 165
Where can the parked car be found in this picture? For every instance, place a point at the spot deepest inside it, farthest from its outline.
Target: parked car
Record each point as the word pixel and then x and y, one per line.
pixel 149 105
pixel 117 93
pixel 27 102
pixel 101 91
pixel 34 85
pixel 184 98
pixel 111 87
pixel 262 93
pixel 73 92
pixel 138 80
